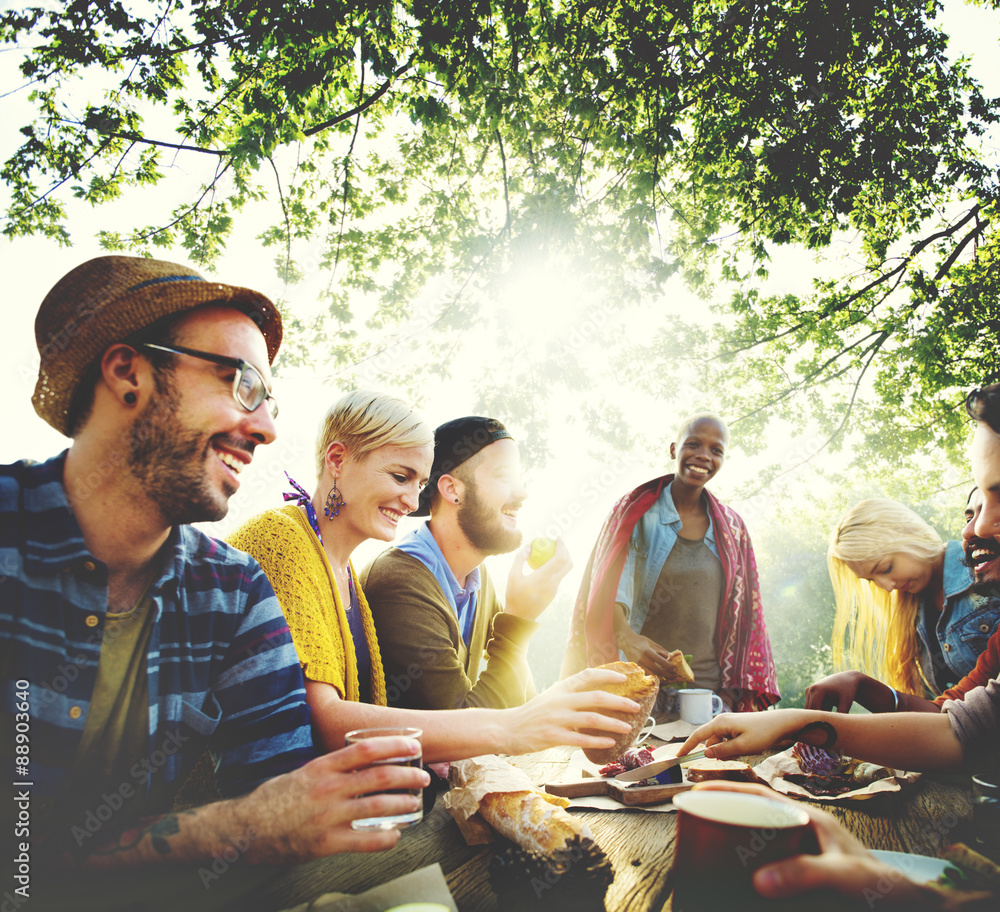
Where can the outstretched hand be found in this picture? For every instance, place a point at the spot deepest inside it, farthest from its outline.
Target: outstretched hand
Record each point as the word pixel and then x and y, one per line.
pixel 572 712
pixel 529 594
pixel 738 734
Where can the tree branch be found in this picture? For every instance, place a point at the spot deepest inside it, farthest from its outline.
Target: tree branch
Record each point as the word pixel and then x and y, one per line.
pixel 840 427
pixel 880 280
pixel 365 105
pixel 284 212
pixel 347 177
pixel 221 153
pixel 506 196
pixel 972 235
pixel 192 208
pixel 804 382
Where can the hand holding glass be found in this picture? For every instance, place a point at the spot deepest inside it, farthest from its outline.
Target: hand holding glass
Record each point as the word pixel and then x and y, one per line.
pixel 393 820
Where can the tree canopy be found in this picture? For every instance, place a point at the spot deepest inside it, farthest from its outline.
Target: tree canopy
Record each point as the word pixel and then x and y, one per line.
pixel 425 151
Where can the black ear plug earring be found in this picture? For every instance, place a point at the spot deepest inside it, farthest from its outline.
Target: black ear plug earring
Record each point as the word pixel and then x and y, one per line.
pixel 130 398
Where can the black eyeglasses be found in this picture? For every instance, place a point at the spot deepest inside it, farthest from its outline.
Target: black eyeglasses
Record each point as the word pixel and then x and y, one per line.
pixel 249 388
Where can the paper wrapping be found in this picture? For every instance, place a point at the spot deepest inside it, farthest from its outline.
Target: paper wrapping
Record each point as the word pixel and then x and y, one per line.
pixel 490 789
pixel 482 775
pixel 774 769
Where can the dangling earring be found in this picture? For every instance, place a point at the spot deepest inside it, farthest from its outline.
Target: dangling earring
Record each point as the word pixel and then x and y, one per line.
pixel 334 501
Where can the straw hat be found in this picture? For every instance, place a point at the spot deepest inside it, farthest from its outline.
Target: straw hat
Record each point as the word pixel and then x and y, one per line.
pixel 107 300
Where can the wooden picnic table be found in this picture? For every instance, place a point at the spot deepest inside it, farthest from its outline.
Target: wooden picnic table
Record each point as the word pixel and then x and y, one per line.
pixel 919 819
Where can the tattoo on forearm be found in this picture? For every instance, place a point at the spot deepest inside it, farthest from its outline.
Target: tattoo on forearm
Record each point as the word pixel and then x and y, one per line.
pixel 829 734
pixel 159 830
pixel 163 828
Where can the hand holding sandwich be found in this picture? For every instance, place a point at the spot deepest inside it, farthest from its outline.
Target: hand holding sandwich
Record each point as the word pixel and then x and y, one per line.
pixel 667 664
pixel 560 714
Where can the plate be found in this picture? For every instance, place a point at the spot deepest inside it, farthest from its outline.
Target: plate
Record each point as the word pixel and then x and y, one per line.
pixel 919 868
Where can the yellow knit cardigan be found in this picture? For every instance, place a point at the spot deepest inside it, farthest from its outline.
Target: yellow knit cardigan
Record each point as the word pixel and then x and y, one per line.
pixel 284 544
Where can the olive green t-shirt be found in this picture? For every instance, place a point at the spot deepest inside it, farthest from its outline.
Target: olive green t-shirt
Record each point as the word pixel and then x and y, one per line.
pixel 107 782
pixel 684 607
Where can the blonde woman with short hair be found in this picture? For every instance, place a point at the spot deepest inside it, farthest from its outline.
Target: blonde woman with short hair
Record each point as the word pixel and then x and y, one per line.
pixel 906 613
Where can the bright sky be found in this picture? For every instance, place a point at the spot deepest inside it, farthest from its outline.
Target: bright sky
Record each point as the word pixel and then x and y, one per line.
pixel 571 495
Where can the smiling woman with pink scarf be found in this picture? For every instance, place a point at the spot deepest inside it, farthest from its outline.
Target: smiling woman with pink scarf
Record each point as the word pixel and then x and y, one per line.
pixel 674 570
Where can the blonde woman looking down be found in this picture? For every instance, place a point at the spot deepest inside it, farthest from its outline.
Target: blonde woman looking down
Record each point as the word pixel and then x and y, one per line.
pixel 907 615
pixel 373 456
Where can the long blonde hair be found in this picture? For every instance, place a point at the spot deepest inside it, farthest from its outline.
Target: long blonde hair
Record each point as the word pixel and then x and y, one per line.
pixel 874 630
pixel 364 421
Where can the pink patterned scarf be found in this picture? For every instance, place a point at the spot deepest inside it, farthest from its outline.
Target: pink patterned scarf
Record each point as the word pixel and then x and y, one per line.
pixel 743 647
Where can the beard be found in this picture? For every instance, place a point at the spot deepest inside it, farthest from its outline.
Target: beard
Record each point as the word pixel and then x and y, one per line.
pixel 987 579
pixel 168 460
pixel 481 525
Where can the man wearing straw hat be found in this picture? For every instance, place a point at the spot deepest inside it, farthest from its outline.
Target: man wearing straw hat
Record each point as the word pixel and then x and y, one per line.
pixel 128 639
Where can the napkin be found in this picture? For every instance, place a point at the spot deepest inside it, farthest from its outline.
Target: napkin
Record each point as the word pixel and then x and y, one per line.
pixel 425 885
pixel 673 731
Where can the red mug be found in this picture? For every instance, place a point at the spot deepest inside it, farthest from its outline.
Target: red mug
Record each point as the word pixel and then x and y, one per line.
pixel 723 837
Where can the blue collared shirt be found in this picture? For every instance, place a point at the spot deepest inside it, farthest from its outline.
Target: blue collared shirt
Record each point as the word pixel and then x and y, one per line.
pixel 220 660
pixel 952 645
pixel 421 544
pixel 652 540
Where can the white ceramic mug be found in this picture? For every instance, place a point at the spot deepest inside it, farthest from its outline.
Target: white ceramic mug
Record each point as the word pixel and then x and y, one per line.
pixel 647 730
pixel 699 705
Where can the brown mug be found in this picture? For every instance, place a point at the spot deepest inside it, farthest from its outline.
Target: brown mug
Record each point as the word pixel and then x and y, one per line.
pixel 723 837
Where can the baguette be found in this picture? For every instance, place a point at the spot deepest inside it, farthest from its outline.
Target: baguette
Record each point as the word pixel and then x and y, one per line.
pixel 508 801
pixel 531 821
pixel 637 686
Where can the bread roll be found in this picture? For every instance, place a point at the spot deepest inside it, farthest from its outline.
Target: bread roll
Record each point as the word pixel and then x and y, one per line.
pixel 682 672
pixel 637 686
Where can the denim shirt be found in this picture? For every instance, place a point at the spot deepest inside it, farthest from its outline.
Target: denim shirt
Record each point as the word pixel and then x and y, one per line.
pixel 652 540
pixel 965 624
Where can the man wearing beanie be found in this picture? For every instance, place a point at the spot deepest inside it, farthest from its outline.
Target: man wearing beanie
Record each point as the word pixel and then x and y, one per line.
pixel 130 641
pixel 446 640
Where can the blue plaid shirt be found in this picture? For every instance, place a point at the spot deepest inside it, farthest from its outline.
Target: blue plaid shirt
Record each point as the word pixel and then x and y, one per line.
pixel 220 663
